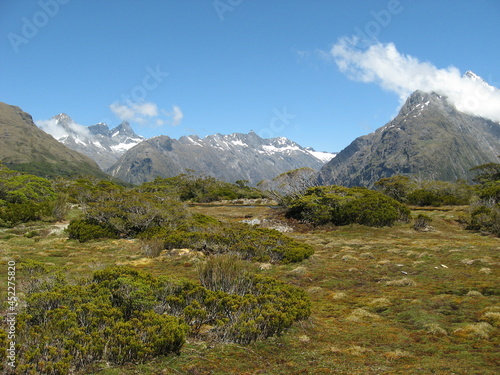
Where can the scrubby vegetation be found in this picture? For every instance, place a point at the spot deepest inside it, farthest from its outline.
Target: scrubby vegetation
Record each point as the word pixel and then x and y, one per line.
pixel 140 275
pixel 119 213
pixel 342 206
pixel 71 326
pixel 484 211
pixel 201 189
pixel 426 193
pixel 24 197
pixel 122 315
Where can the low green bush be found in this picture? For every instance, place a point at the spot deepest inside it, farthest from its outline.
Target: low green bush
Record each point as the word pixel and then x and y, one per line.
pixel 249 243
pixel 341 206
pixel 202 189
pixel 24 197
pixel 72 326
pixel 85 230
pixel 484 211
pixel 122 315
pixel 426 193
pixel 422 222
pixel 12 214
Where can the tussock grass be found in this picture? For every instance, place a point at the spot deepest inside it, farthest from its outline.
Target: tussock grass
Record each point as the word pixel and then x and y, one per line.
pixel 357 350
pixel 314 289
pixel 435 329
pixel 379 303
pixel 363 322
pixel 300 270
pixel 481 330
pixel 405 281
pixel 492 316
pixel 360 315
pixel 396 355
pixel 474 293
pixel 338 295
pixel 349 258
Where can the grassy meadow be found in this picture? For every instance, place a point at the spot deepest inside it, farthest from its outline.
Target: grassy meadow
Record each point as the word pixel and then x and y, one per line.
pixel 390 300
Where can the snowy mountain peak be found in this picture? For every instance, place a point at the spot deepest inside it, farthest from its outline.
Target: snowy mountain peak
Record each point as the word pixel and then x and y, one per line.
pixel 470 74
pixel 62 117
pixel 474 77
pixel 103 145
pixel 123 129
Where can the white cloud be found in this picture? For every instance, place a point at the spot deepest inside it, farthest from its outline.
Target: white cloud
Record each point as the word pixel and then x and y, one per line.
pixel 147 113
pixel 402 74
pixel 137 112
pixel 177 115
pixel 147 109
pixel 56 130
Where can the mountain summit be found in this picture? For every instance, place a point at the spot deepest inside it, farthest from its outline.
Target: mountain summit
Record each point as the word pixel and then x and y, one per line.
pixel 429 139
pixel 97 141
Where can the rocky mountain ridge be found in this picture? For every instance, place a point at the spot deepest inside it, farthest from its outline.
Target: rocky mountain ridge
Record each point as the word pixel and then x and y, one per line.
pixel 97 141
pixel 429 139
pixel 230 158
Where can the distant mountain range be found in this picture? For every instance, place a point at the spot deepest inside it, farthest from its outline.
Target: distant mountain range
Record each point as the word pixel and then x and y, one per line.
pixel 132 158
pixel 24 147
pixel 227 157
pixel 429 139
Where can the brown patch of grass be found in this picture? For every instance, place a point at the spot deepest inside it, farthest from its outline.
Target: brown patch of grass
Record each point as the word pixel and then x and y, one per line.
pixel 360 315
pixel 396 355
pixel 405 281
pixel 475 330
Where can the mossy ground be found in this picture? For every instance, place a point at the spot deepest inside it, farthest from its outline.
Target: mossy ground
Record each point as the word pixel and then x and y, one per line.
pixel 389 300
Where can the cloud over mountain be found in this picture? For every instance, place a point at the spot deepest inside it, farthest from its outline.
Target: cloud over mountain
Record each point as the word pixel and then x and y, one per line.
pixel 146 113
pixel 402 74
pixel 138 112
pixel 53 127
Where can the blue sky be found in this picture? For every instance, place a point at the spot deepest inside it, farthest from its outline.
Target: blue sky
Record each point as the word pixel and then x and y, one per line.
pixel 318 72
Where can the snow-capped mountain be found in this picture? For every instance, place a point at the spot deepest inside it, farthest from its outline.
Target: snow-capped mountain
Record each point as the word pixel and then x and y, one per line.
pixel 429 139
pixel 230 158
pixel 474 77
pixel 97 141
